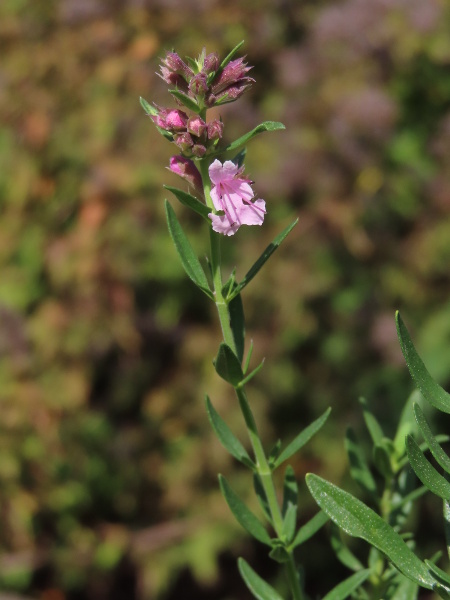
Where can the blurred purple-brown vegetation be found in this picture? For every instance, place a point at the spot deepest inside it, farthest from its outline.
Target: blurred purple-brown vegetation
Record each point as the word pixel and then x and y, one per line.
pixel 107 462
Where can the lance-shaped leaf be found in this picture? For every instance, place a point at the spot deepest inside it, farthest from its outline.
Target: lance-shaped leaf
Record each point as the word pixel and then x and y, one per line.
pixel 261 260
pixel 376 433
pixel 358 520
pixel 230 56
pixel 237 321
pixel 228 366
pixel 302 438
pixel 431 391
pixel 189 201
pixel 406 589
pixel 187 255
pixel 226 436
pixel 343 552
pixel 243 515
pixel 186 100
pixel 442 577
pixel 446 515
pixel 359 469
pixel 345 588
pixel 266 126
pixel 436 449
pixel 425 471
pixel 257 586
pixel 310 528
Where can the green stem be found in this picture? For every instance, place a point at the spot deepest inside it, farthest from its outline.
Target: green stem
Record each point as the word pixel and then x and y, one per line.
pixel 265 474
pixel 262 464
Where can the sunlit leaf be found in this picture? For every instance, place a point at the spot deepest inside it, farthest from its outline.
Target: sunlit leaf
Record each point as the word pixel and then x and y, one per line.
pixel 358 520
pixel 243 515
pixel 226 436
pixel 345 588
pixel 186 100
pixel 302 438
pixel 262 259
pixel 266 126
pixel 435 448
pixel 431 391
pixel 188 258
pixel 425 471
pixel 258 587
pixel 190 201
pixel 310 528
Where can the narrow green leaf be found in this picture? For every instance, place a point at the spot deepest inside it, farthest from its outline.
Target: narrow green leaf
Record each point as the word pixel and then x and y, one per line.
pixel 190 201
pixel 227 438
pixel 310 528
pixel 358 520
pixel 302 438
pixel 442 577
pixel 257 586
pixel 374 428
pixel 250 376
pixel 274 453
pixel 149 109
pixel 237 320
pixel 230 56
pixel 188 258
pixel 407 424
pixel 435 448
pixel 262 259
pixel 248 358
pixel 431 391
pixel 289 523
pixel 345 588
pixel 240 157
pixel 243 515
pixel 228 366
pixel 359 469
pixel 382 454
pixel 425 471
pixel 266 126
pixel 186 100
pixel 343 553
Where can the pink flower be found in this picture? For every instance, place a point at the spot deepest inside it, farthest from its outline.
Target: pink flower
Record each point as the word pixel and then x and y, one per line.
pixel 233 195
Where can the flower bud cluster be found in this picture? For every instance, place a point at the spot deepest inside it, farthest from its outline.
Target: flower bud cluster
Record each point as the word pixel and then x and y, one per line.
pixel 191 134
pixel 204 81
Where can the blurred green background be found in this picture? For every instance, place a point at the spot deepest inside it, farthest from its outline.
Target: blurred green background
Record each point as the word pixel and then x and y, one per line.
pixel 108 465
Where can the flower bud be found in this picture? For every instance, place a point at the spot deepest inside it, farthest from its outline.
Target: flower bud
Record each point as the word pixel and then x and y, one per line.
pixel 176 119
pixel 185 168
pixel 196 125
pixel 233 73
pixel 198 85
pixel 183 141
pixel 198 150
pixel 211 63
pixel 215 130
pixel 176 65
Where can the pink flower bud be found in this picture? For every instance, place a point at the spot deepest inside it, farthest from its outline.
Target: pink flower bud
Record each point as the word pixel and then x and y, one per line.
pixel 176 119
pixel 183 141
pixel 198 85
pixel 198 150
pixel 196 126
pixel 234 72
pixel 185 168
pixel 211 63
pixel 174 64
pixel 215 130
